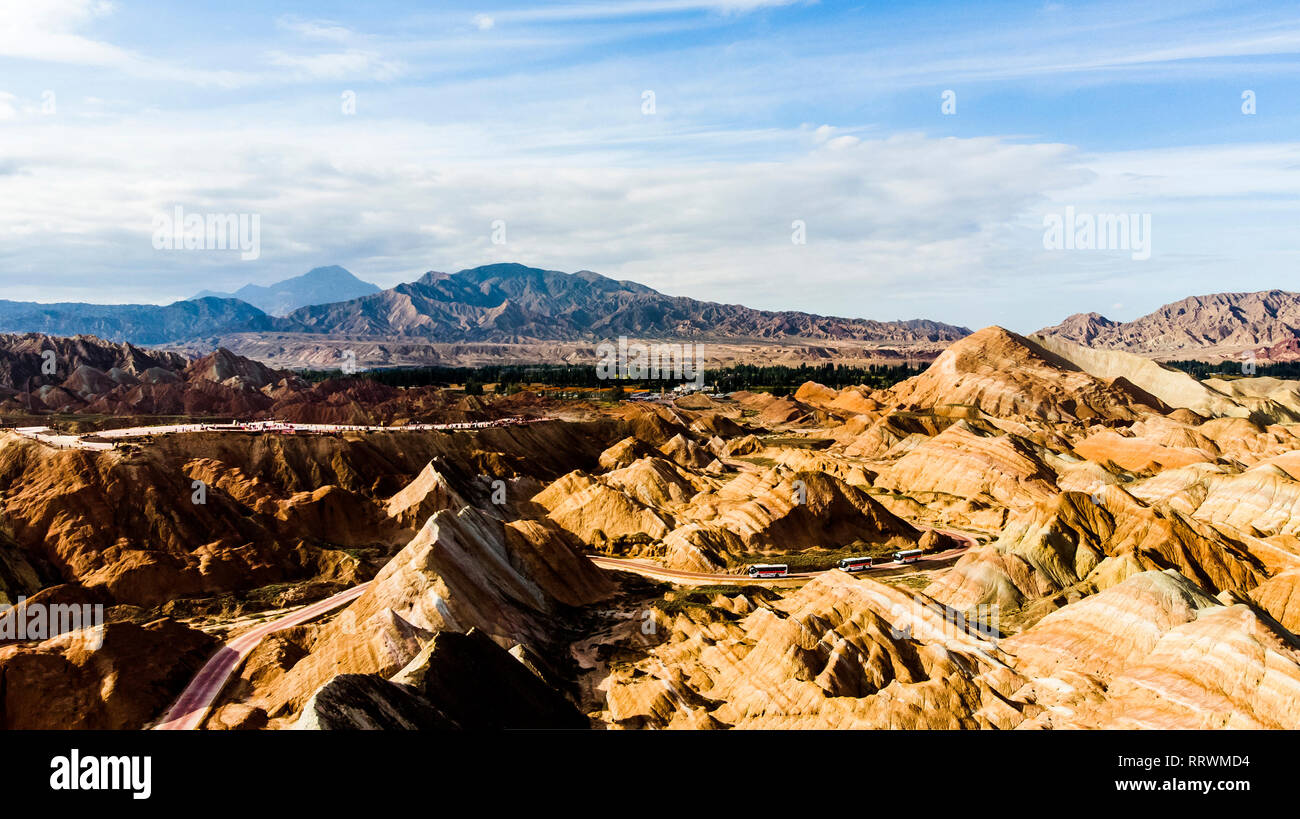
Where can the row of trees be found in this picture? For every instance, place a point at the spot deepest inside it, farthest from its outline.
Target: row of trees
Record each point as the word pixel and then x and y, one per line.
pixel 512 378
pixel 782 379
pixel 553 375
pixel 1203 369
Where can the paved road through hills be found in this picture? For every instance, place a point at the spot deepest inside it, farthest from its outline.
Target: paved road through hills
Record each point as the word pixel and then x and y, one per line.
pixel 191 708
pixel 196 700
pixel 648 568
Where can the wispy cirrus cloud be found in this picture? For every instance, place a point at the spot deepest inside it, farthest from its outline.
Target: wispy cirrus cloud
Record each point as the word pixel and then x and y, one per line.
pixel 317 29
pixel 563 12
pixel 339 65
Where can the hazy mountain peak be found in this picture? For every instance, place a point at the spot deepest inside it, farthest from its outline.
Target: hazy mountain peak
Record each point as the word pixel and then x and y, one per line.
pixel 329 273
pixel 320 285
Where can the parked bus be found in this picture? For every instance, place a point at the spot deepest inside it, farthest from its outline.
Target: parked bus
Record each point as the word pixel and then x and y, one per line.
pixel 769 570
pixel 855 564
pixel 908 556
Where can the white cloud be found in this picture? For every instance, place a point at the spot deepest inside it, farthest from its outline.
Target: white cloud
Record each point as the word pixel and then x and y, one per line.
pixel 634 8
pixel 46 31
pixel 49 31
pixel 317 29
pixel 349 64
pixel 897 227
pixel 408 197
pixel 831 137
pixel 483 22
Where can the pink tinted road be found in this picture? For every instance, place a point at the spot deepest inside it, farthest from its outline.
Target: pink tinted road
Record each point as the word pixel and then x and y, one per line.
pixel 192 706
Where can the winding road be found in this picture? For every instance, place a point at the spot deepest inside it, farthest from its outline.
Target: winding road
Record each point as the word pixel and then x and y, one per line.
pixel 196 701
pixel 648 568
pixel 192 707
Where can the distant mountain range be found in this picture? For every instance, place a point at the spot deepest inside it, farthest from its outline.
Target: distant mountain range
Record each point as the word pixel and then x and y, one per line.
pixel 520 306
pixel 321 285
pixel 514 303
pixel 497 303
pixel 148 324
pixel 1218 325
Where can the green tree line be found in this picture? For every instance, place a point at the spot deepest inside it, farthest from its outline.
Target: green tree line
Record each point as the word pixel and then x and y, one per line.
pixel 779 379
pixel 1204 369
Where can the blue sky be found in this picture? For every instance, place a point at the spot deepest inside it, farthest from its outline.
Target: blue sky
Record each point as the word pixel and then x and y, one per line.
pixel 766 114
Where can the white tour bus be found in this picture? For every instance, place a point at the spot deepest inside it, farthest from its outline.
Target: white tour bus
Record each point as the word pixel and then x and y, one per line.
pixel 855 564
pixel 769 570
pixel 908 556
